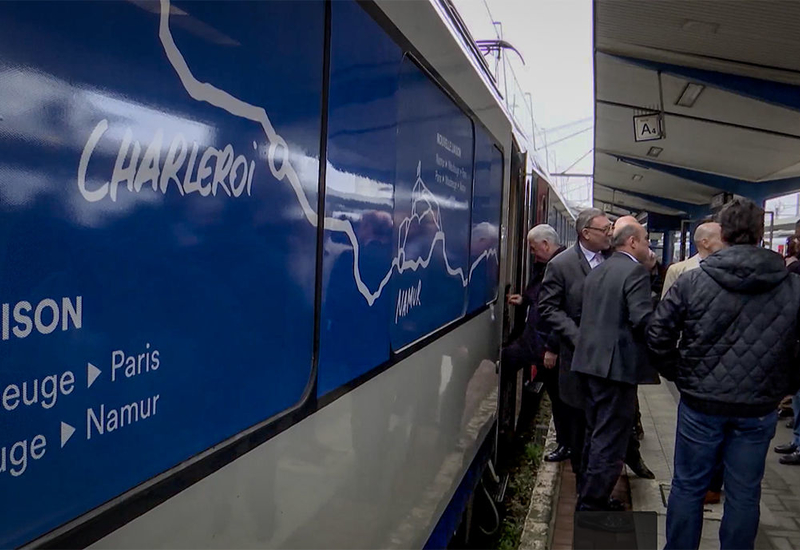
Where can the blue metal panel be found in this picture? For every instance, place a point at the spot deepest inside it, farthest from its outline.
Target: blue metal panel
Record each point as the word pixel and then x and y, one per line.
pixel 362 130
pixel 756 191
pixel 432 208
pixel 486 197
pixel 158 182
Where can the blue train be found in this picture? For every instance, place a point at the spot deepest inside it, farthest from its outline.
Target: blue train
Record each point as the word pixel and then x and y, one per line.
pixel 252 263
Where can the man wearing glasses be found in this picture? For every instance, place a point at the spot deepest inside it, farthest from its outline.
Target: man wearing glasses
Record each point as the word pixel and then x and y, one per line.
pixel 560 302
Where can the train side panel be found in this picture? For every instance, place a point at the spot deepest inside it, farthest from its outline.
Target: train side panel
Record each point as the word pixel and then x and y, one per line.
pixel 374 469
pixel 246 346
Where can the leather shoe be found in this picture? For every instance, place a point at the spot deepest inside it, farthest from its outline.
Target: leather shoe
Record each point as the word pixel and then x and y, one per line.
pixel 641 470
pixel 712 497
pixel 787 449
pixel 792 459
pixel 559 455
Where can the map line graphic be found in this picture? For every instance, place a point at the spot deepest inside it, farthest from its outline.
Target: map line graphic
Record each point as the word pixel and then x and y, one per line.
pixel 279 150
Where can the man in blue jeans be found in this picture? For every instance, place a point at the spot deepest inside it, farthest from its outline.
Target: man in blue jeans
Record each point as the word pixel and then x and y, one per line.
pixel 727 334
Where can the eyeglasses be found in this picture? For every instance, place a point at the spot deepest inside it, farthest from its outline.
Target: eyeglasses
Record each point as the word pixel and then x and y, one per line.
pixel 607 229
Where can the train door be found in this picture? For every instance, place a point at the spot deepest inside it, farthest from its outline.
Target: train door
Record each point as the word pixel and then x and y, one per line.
pixel 516 236
pixel 514 317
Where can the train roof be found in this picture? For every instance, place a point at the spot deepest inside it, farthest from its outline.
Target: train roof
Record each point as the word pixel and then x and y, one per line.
pixel 458 28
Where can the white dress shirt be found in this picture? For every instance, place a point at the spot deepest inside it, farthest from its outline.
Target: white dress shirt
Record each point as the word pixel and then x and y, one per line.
pixel 594 258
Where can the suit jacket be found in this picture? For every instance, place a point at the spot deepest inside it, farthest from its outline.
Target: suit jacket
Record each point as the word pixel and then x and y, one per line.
pixel 616 309
pixel 560 301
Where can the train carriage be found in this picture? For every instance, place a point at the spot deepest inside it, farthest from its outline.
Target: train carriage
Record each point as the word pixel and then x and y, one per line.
pixel 253 263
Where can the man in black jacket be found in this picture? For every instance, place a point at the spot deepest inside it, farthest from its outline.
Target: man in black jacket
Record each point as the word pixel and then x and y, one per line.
pixel 611 358
pixel 727 335
pixel 560 301
pixel 530 348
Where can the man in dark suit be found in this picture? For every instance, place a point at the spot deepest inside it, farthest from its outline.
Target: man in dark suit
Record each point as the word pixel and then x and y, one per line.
pixel 611 358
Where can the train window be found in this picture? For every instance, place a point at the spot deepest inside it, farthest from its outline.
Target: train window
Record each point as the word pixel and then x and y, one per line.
pixel 360 177
pixel 433 189
pixel 399 188
pixel 158 204
pixel 485 236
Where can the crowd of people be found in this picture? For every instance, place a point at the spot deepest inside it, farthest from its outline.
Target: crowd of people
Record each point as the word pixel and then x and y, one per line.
pixel 724 329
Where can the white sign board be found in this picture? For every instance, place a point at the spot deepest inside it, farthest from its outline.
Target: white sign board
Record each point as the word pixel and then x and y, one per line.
pixel 647 127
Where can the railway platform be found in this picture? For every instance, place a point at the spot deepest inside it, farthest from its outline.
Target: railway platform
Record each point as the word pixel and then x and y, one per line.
pixel 780 500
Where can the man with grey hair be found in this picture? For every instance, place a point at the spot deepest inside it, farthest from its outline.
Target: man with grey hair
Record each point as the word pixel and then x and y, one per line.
pixel 537 341
pixel 528 351
pixel 611 358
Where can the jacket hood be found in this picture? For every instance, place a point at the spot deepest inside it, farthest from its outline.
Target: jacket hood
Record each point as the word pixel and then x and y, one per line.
pixel 747 269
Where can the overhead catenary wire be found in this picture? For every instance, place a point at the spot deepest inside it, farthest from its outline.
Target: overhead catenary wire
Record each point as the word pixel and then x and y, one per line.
pixel 571 166
pixel 567 125
pixel 491 17
pixel 547 144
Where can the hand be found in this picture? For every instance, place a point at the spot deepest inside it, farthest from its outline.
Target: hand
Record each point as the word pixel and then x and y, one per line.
pixel 651 260
pixel 550 359
pixel 515 300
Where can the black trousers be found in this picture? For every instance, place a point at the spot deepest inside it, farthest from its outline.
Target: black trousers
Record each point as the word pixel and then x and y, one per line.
pixel 633 453
pixel 561 411
pixel 610 418
pixel 575 428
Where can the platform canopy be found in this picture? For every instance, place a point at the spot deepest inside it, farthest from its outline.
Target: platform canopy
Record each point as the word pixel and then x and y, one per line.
pixel 694 99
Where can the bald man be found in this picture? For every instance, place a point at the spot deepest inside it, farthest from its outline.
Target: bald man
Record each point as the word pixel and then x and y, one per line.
pixel 611 357
pixel 707 240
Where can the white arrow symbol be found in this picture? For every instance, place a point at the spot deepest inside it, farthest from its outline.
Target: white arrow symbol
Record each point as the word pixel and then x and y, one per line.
pixel 66 433
pixel 92 373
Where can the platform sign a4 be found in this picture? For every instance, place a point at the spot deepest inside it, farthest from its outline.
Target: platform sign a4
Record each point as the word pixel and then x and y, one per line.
pixel 647 127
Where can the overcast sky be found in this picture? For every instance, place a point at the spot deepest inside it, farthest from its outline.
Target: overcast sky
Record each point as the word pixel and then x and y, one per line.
pixel 555 38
